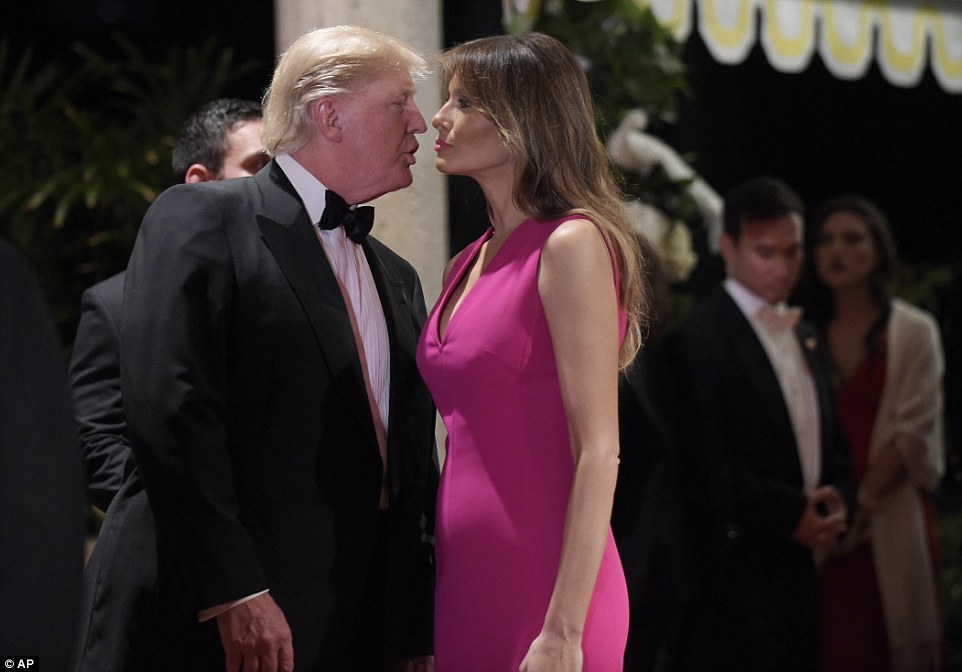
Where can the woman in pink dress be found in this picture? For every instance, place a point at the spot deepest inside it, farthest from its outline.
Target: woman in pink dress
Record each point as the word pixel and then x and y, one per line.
pixel 522 353
pixel 878 595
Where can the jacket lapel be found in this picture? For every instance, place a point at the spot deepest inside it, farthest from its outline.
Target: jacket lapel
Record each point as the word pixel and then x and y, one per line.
pixel 754 363
pixel 289 235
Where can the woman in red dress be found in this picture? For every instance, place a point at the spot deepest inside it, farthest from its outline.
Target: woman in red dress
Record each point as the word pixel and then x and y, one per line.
pixel 878 590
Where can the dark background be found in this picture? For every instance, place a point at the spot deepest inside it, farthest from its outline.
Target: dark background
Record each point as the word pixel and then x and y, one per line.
pixel 51 26
pixel 824 136
pixel 901 147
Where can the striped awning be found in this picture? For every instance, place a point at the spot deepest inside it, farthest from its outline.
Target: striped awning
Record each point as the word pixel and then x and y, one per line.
pixel 903 36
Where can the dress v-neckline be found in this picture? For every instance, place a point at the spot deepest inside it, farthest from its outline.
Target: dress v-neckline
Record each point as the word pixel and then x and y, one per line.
pixel 462 272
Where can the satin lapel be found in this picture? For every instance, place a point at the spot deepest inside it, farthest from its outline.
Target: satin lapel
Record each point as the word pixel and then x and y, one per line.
pixel 402 334
pixel 295 247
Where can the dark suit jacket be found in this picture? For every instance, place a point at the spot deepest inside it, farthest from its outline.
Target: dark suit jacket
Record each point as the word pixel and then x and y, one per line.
pixel 120 577
pixel 742 479
pixel 95 384
pixel 645 517
pixel 251 429
pixel 41 482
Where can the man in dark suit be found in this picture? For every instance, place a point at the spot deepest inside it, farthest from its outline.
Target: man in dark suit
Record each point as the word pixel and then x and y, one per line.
pixel 646 507
pixel 41 482
pixel 221 140
pixel 764 468
pixel 276 417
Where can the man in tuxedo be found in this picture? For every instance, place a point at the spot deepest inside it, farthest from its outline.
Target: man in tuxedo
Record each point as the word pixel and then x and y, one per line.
pixel 282 434
pixel 765 471
pixel 646 508
pixel 221 140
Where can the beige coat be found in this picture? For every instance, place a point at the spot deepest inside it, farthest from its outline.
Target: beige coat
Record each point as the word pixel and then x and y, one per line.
pixel 911 403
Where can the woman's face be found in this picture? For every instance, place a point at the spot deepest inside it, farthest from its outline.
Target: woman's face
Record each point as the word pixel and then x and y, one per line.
pixel 845 251
pixel 468 142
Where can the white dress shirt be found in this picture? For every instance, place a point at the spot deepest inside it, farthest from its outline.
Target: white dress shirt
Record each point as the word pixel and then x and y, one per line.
pixel 798 388
pixel 352 271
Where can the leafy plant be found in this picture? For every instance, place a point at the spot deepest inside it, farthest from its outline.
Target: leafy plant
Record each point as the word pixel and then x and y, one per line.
pixel 86 145
pixel 631 60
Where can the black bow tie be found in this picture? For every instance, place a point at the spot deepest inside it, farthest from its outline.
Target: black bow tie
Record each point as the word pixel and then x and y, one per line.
pixel 357 222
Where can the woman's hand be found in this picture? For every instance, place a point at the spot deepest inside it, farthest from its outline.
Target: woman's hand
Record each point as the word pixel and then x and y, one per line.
pixel 858 532
pixel 553 653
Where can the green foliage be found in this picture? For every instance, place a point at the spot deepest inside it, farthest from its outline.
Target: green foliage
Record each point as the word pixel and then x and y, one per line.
pixel 922 284
pixel 631 60
pixel 949 530
pixel 86 145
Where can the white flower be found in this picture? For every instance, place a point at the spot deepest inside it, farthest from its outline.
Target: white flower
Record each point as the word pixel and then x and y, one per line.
pixel 679 257
pixel 635 151
pixel 670 239
pixel 647 220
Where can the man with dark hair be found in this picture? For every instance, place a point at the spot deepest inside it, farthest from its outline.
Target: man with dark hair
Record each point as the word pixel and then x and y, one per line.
pixel 220 141
pixel 765 471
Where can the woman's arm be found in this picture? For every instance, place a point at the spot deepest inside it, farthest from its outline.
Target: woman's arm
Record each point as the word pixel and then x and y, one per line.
pixel 578 292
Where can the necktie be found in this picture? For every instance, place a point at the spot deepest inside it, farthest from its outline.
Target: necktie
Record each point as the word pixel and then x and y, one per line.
pixel 779 317
pixel 357 222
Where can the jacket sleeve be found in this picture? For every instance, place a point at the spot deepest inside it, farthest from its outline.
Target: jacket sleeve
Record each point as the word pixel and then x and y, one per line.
pixel 176 323
pixel 98 404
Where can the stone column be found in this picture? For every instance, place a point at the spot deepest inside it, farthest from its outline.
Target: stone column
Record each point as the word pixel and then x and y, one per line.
pixel 413 221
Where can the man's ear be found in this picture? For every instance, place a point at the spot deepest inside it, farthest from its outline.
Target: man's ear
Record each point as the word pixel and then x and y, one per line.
pixel 326 117
pixel 726 246
pixel 198 172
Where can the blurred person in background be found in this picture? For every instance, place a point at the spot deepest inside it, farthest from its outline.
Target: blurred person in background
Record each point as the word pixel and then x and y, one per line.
pixel 878 597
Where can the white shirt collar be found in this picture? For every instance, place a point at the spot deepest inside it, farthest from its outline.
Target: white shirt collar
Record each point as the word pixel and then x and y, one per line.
pixel 746 300
pixel 308 187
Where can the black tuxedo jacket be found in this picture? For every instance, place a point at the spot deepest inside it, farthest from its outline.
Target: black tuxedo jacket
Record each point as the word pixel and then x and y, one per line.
pixel 95 386
pixel 755 606
pixel 250 426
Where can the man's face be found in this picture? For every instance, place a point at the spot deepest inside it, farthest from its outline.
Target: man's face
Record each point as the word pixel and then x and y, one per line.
pixel 245 155
pixel 379 124
pixel 767 257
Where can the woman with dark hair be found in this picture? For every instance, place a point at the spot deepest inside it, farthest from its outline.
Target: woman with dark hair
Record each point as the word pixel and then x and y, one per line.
pixel 878 589
pixel 522 354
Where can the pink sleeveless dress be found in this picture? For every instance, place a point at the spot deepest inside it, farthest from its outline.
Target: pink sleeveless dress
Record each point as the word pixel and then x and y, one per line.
pixel 507 472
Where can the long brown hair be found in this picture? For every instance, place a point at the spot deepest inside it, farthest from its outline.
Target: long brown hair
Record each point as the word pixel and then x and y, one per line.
pixel 536 94
pixel 815 296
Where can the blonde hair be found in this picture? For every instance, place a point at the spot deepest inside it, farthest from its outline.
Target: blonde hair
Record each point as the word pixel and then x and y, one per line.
pixel 536 94
pixel 326 62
